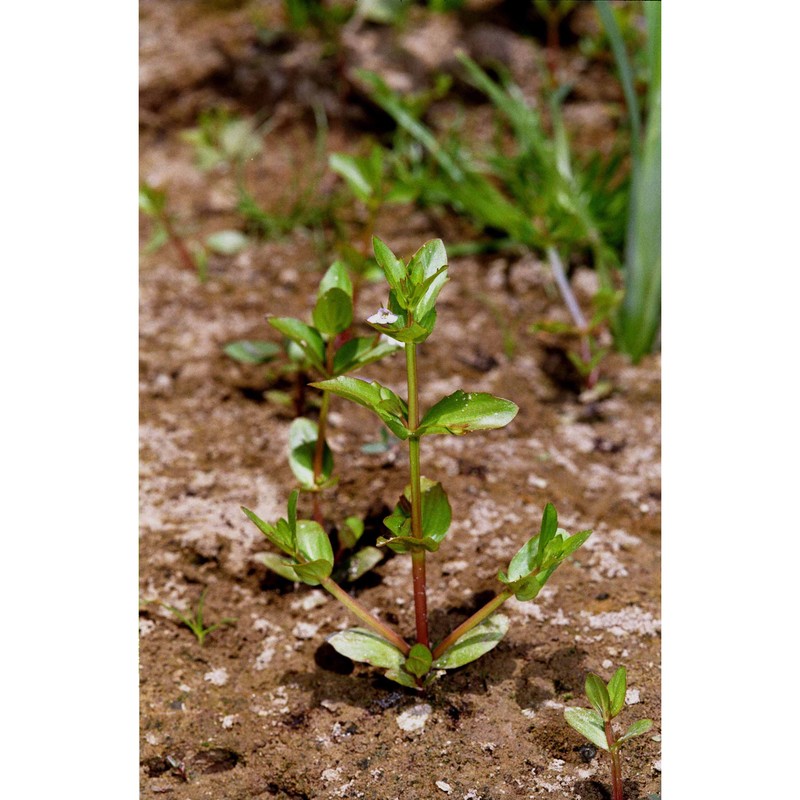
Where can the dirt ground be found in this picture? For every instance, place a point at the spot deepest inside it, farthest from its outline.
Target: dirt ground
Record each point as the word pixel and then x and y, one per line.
pixel 266 709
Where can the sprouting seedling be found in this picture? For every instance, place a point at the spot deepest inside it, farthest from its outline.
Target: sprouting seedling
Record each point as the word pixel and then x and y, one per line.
pixel 195 624
pixel 608 700
pixel 421 520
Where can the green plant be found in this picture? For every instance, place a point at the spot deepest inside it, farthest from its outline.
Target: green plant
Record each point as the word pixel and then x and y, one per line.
pixel 326 349
pixel 194 256
pixel 638 322
pixel 421 519
pixel 195 624
pixel 608 700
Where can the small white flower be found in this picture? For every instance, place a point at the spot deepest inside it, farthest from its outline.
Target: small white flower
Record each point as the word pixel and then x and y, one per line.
pixel 383 317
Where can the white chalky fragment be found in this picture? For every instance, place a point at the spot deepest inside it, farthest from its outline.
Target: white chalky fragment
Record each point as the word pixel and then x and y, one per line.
pixel 219 677
pixel 414 719
pixel 444 786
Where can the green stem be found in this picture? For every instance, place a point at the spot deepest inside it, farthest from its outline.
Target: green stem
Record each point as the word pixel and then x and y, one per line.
pixel 417 558
pixel 468 625
pixel 322 427
pixel 365 616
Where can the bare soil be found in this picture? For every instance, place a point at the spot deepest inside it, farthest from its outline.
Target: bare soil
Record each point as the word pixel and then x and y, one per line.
pixel 266 709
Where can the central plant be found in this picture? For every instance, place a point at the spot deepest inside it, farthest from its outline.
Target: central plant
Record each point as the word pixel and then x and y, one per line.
pixel 421 519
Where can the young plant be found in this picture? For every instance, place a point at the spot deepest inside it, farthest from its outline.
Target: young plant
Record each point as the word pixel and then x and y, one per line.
pixel 608 700
pixel 327 349
pixel 421 520
pixel 195 624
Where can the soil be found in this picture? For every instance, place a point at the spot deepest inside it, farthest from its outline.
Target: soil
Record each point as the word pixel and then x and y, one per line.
pixel 265 708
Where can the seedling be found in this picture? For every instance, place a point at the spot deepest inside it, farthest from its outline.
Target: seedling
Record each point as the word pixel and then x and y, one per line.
pixel 195 624
pixel 421 519
pixel 608 700
pixel 327 349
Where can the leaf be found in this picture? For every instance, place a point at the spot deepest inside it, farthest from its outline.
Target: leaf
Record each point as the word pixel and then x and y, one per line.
pixel 336 277
pixel 427 300
pixel 351 532
pixel 251 351
pixel 313 543
pixel 280 539
pixel 350 169
pixel 359 351
pixel 460 413
pixel 473 644
pixel 597 693
pixel 409 544
pixel 372 395
pixel 393 268
pixel 313 572
pixel 427 261
pixel 279 565
pixel 547 530
pixel 306 337
pixel 419 660
pixel 637 729
pixel 362 562
pixel 616 691
pixel 333 312
pixel 303 435
pixel 589 724
pixel 227 243
pixel 364 645
pixel 403 678
pixel 436 516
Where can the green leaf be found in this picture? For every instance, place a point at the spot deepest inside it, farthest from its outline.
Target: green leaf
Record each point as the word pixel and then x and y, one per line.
pixel 409 544
pixel 460 413
pixel 427 300
pixel 351 532
pixel 362 562
pixel 306 337
pixel 251 351
pixel 372 395
pixel 637 729
pixel 616 691
pixel 292 514
pixel 281 539
pixel 303 435
pixel 336 277
pixel 436 516
pixel 227 243
pixel 419 660
pixel 588 723
pixel 427 261
pixel 279 565
pixel 352 171
pixel 364 645
pixel 359 351
pixel 547 530
pixel 473 644
pixel 403 678
pixel 313 543
pixel 313 572
pixel 333 312
pixel 393 268
pixel 597 693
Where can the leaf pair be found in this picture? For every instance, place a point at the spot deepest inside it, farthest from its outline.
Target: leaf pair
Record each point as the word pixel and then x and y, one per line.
pixel 436 517
pixel 304 541
pixel 607 700
pixel 538 558
pixel 458 413
pixel 368 647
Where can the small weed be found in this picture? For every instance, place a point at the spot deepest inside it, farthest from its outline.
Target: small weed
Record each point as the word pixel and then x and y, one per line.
pixel 608 700
pixel 195 624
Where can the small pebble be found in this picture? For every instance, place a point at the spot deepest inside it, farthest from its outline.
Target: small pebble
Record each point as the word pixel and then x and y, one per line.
pixel 632 697
pixel 445 787
pixel 219 677
pixel 414 719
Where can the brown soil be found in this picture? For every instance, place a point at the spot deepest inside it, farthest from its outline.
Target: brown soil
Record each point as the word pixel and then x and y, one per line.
pixel 266 709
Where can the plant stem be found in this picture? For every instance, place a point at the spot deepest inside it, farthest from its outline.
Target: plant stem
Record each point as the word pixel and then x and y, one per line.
pixel 322 426
pixel 417 558
pixel 616 766
pixel 365 616
pixel 476 619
